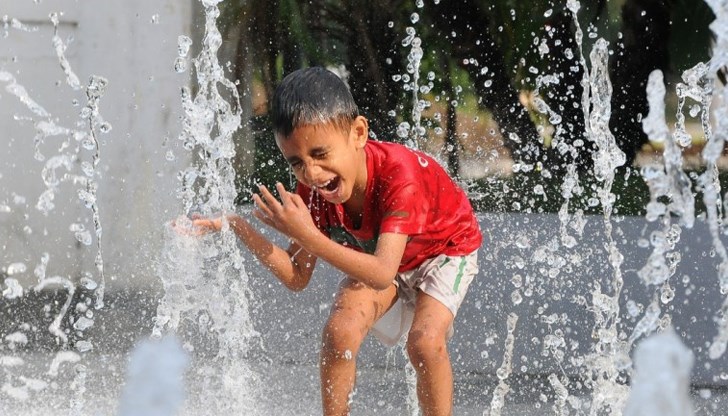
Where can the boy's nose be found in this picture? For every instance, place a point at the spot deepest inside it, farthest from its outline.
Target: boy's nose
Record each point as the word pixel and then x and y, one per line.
pixel 311 172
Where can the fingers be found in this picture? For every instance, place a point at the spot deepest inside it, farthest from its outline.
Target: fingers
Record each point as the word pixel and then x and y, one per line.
pixel 266 201
pixel 269 204
pixel 262 211
pixel 274 212
pixel 285 195
pixel 196 227
pixel 203 226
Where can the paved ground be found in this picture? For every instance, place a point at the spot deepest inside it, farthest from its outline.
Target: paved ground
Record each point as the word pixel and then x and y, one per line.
pixel 291 389
pixel 285 361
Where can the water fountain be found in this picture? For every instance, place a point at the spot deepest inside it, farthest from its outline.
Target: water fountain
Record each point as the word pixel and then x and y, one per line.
pixel 252 346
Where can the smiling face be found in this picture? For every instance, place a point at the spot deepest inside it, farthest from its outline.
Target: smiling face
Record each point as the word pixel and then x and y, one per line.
pixel 329 160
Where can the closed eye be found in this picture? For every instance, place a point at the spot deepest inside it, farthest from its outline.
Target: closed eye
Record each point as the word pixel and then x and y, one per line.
pixel 295 163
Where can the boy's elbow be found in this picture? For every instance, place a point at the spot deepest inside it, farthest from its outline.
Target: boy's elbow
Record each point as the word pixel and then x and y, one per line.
pixel 382 284
pixel 297 284
pixel 296 287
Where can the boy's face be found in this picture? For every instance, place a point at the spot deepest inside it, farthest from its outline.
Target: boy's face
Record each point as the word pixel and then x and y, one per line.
pixel 328 159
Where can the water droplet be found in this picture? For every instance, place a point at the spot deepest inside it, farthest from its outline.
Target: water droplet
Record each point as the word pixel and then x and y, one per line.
pixel 403 129
pixel 667 294
pixel 13 289
pixel 88 283
pixel 16 268
pixel 83 323
pixel 183 45
pixel 84 346
pixel 633 309
pixel 516 297
pixel 180 65
pixel 517 280
pixel 694 110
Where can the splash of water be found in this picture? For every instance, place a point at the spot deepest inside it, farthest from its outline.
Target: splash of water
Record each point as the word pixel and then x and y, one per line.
pixel 410 374
pixel 414 134
pixel 504 371
pixel 610 354
pixel 205 283
pixel 60 48
pixel 666 182
pixel 610 351
pixel 702 83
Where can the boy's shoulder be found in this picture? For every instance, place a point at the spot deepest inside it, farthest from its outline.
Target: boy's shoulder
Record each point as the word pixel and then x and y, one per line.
pixel 400 158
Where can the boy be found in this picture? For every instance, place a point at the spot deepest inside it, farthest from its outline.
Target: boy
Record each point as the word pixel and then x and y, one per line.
pixel 388 217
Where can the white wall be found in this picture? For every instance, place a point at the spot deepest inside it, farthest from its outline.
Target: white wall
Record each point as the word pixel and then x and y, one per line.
pixel 133 44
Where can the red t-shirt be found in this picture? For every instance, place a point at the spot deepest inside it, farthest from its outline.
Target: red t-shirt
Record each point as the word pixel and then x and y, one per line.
pixel 409 193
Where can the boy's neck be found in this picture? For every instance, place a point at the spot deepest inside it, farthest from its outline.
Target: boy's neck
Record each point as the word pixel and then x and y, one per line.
pixel 354 206
pixel 354 209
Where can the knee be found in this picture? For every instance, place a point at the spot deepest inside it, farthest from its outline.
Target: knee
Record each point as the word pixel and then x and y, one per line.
pixel 342 336
pixel 426 346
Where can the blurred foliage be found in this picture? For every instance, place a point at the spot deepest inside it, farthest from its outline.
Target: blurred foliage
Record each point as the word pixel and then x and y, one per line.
pixel 479 58
pixel 519 193
pixel 532 193
pixel 270 166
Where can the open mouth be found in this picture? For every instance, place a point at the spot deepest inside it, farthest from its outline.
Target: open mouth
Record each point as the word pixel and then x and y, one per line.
pixel 328 188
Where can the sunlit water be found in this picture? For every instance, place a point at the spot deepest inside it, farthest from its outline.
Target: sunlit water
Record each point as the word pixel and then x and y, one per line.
pixel 202 331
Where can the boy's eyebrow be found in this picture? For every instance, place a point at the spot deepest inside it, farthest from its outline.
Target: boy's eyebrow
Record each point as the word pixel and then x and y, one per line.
pixel 314 151
pixel 319 150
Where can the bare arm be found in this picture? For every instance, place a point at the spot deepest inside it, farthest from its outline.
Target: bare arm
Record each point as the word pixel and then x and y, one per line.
pixel 374 270
pixel 291 217
pixel 293 267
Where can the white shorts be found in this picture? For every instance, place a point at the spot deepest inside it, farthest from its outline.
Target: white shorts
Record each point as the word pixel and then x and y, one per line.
pixel 445 278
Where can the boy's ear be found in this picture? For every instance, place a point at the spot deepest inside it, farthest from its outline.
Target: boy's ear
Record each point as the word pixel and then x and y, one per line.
pixel 360 131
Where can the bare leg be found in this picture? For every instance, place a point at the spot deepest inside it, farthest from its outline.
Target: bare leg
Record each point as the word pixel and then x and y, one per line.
pixel 427 350
pixel 355 310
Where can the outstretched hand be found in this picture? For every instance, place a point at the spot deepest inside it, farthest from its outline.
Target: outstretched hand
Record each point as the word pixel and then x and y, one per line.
pixel 197 225
pixel 289 216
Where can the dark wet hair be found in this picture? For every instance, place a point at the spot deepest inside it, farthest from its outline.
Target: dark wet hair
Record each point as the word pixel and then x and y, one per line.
pixel 311 96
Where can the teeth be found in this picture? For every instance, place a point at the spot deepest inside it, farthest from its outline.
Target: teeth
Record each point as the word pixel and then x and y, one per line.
pixel 323 185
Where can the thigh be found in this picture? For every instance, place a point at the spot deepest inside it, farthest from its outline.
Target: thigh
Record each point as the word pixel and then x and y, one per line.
pixel 432 318
pixel 360 304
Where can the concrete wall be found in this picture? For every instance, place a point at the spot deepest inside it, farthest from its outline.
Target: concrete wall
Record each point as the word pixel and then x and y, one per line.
pixel 133 44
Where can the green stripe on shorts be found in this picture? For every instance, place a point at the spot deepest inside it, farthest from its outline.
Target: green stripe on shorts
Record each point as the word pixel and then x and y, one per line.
pixel 460 275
